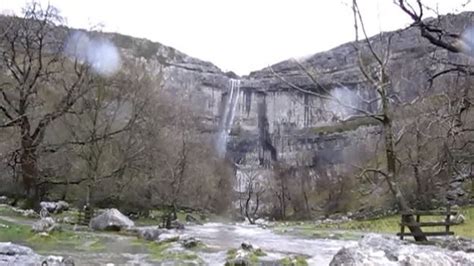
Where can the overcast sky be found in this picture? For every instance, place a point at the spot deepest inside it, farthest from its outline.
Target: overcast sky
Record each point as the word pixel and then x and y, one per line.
pixel 237 35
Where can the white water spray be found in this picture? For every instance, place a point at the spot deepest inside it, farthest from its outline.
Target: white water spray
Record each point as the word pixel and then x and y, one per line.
pixel 101 54
pixel 344 99
pixel 227 118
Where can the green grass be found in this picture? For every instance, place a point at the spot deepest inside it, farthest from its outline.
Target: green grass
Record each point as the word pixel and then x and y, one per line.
pixel 14 232
pixel 389 225
pixel 231 253
pixel 160 251
pixel 253 256
pixel 294 261
pixel 65 240
pixel 6 210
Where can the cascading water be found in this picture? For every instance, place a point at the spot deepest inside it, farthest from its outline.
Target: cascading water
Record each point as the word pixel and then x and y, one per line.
pixel 227 118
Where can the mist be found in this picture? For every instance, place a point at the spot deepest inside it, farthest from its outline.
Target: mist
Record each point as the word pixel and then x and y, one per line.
pixel 344 99
pixel 101 54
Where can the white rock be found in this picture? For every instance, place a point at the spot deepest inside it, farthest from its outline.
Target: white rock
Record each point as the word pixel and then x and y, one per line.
pixel 111 219
pixel 44 225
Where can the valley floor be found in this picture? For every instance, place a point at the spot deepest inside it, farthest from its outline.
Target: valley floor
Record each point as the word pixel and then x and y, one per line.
pixel 281 243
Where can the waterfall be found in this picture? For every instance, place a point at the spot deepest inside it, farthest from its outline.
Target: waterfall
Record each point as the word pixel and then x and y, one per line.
pixel 227 118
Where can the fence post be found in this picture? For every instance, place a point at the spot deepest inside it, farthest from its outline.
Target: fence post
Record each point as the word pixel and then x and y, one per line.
pixel 402 228
pixel 448 218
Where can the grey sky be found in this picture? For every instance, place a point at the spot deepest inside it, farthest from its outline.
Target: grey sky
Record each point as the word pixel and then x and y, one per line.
pixel 237 35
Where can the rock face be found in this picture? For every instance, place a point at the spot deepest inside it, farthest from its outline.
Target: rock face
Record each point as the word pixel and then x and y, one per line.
pixel 379 250
pixel 260 118
pixel 111 219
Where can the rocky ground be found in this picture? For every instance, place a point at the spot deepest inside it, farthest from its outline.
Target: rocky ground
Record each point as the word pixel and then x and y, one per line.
pixel 114 239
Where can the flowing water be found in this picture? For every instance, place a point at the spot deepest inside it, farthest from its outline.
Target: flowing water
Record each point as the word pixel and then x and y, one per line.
pixel 277 246
pixel 219 237
pixel 227 117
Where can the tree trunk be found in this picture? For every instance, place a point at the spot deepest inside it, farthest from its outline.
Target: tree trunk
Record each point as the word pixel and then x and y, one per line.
pixel 391 177
pixel 29 168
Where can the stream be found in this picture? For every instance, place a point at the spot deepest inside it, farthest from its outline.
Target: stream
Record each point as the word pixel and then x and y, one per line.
pixel 109 248
pixel 219 237
pixel 226 236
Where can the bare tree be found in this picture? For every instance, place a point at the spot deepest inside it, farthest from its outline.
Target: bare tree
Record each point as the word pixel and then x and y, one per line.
pixel 373 65
pixel 250 192
pixel 33 69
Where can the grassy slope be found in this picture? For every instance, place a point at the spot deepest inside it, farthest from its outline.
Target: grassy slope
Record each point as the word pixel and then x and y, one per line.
pixel 389 225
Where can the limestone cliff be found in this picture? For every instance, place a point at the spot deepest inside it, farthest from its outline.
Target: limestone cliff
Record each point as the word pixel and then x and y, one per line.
pixel 265 120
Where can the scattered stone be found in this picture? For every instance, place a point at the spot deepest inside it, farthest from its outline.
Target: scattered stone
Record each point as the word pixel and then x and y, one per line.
pixel 247 254
pixel 43 234
pixel 192 219
pixel 57 261
pixel 54 207
pixel 457 244
pixel 457 219
pixel 26 213
pixel 263 222
pixel 167 237
pixel 67 220
pixel 191 242
pixel 4 226
pixel 111 220
pixel 246 246
pixel 238 262
pixel 150 234
pixel 293 260
pixel 175 224
pixel 4 200
pixel 46 225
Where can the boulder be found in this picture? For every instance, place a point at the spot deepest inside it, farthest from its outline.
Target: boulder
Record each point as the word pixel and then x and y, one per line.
pixel 4 200
pixel 191 242
pixel 111 220
pixel 175 224
pixel 12 254
pixel 57 261
pixel 150 234
pixel 383 250
pixel 46 225
pixel 54 207
pixel 192 219
pixel 167 237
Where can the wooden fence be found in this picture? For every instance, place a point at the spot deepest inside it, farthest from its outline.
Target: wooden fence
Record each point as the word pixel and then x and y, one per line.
pixel 85 215
pixel 446 223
